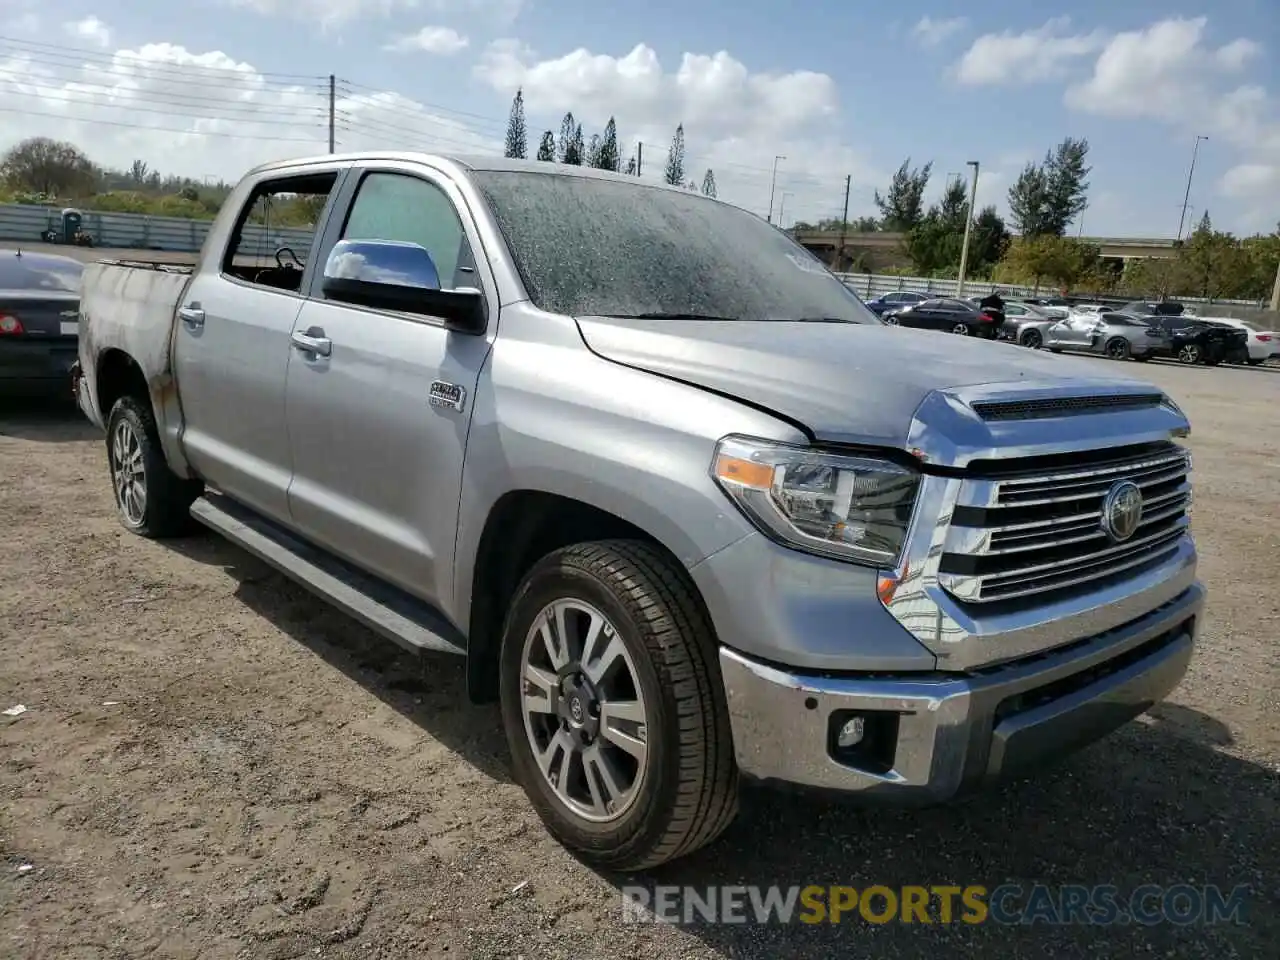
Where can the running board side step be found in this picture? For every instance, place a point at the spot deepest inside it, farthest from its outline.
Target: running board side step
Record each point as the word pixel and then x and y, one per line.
pixel 389 611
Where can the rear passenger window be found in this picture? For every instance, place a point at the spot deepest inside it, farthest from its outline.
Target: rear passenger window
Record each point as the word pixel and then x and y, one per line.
pixel 395 206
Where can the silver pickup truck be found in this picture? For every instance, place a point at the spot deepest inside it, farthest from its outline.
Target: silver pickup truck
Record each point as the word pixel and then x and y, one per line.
pixel 689 510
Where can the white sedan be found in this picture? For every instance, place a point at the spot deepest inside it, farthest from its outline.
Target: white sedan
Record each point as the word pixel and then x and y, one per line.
pixel 1262 343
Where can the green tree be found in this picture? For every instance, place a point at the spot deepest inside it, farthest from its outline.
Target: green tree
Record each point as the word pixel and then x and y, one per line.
pixel 573 154
pixel 607 155
pixel 1064 261
pixel 1028 201
pixel 1067 189
pixel 517 136
pixel 902 207
pixel 1205 225
pixel 988 241
pixel 709 183
pixel 547 148
pixel 674 173
pixel 565 141
pixel 592 157
pixel 51 167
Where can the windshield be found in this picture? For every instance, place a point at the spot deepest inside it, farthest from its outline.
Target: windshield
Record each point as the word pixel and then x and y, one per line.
pixel 596 247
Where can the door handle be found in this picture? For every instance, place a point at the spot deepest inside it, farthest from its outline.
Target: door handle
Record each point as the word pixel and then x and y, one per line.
pixel 322 346
pixel 192 316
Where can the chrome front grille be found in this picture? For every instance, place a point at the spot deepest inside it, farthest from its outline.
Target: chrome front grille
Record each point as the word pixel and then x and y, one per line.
pixel 1041 531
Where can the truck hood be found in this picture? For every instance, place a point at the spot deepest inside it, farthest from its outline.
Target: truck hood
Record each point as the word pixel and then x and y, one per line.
pixel 844 382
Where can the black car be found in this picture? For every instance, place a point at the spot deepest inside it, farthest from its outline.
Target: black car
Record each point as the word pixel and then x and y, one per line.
pixel 1152 308
pixel 896 300
pixel 1198 341
pixel 953 316
pixel 39 320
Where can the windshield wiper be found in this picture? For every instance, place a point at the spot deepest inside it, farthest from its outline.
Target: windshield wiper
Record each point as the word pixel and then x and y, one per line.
pixel 667 316
pixel 825 320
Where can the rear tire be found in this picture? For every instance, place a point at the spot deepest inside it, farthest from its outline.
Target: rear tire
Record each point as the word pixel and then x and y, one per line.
pixel 1118 348
pixel 1190 354
pixel 151 500
pixel 1032 340
pixel 683 792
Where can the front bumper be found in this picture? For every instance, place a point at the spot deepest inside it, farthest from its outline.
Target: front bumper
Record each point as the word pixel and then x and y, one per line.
pixel 932 736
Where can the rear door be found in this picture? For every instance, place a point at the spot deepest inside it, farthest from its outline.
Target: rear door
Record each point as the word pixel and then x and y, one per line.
pixel 377 467
pixel 231 342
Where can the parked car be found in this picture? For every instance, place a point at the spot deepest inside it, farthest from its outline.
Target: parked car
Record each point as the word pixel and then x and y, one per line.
pixel 953 316
pixel 1260 345
pixel 1025 309
pixel 39 321
pixel 1026 323
pixel 1157 308
pixel 896 301
pixel 1116 335
pixel 686 526
pixel 1194 341
pixel 1091 310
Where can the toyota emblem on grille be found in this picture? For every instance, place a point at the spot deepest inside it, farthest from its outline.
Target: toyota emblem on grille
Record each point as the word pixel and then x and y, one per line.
pixel 1122 510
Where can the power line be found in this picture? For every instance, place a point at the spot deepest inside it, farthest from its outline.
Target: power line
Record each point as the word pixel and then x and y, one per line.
pixel 142 126
pixel 92 57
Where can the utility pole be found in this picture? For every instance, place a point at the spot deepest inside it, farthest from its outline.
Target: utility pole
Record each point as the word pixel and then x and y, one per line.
pixel 332 100
pixel 1187 196
pixel 968 226
pixel 773 181
pixel 782 205
pixel 639 157
pixel 844 224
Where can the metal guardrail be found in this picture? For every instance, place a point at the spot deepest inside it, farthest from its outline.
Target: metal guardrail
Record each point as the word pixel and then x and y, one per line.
pixel 871 285
pixel 135 231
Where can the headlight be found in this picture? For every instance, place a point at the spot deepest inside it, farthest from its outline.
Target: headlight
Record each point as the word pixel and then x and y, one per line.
pixel 851 507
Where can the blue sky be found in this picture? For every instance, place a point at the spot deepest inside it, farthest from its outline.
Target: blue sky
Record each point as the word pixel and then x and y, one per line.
pixel 837 88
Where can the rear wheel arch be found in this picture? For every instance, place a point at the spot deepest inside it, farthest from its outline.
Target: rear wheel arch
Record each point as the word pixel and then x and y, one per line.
pixel 118 375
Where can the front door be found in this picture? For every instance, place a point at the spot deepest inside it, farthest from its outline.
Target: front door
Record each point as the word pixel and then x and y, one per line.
pixel 377 467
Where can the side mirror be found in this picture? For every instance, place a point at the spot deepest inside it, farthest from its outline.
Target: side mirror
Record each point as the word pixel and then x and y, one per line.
pixel 392 275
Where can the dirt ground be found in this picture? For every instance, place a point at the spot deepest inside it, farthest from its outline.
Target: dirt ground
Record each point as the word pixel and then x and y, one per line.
pixel 215 764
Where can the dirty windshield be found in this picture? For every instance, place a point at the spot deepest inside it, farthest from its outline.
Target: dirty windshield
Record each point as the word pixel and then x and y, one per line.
pixel 588 247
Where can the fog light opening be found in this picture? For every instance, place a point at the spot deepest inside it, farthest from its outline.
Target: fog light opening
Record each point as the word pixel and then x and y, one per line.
pixel 866 740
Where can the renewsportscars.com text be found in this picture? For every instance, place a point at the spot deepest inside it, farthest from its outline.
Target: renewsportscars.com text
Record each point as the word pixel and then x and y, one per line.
pixel 1070 904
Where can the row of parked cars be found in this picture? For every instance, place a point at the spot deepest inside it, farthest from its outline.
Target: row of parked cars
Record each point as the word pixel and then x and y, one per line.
pixel 1138 330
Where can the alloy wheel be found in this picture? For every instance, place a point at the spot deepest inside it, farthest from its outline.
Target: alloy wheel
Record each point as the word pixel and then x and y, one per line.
pixel 961 329
pixel 1189 353
pixel 128 473
pixel 584 710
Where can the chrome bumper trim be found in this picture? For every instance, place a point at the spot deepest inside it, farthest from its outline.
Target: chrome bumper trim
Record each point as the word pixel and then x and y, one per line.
pixel 950 735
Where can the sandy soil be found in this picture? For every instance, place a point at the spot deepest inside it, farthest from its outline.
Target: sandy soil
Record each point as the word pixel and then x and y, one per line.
pixel 214 764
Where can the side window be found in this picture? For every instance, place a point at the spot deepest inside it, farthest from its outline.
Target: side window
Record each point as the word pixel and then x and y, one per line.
pixel 276 229
pixel 396 206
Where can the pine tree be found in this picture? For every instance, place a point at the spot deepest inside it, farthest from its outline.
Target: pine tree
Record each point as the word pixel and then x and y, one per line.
pixel 593 151
pixel 574 149
pixel 903 206
pixel 607 156
pixel 547 148
pixel 517 138
pixel 709 183
pixel 674 173
pixel 565 142
pixel 1206 225
pixel 1067 188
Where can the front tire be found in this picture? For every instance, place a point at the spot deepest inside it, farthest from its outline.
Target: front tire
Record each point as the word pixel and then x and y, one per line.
pixel 961 329
pixel 151 500
pixel 1032 340
pixel 1189 354
pixel 614 708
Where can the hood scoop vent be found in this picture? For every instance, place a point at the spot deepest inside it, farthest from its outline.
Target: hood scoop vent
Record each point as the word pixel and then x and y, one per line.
pixel 1050 407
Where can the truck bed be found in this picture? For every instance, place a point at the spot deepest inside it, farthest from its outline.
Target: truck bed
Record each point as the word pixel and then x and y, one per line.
pixel 128 306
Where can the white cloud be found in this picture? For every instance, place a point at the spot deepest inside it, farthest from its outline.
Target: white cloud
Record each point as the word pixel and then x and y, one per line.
pixel 1031 56
pixel 91 29
pixel 929 32
pixel 330 13
pixel 207 114
pixel 1166 72
pixel 438 40
pixel 735 120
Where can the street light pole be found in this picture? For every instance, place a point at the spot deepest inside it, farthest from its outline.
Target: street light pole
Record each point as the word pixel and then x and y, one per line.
pixel 782 204
pixel 1187 196
pixel 968 227
pixel 772 184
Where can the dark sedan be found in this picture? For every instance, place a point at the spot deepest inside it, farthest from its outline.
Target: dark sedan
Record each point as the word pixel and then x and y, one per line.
pixel 953 316
pixel 1194 341
pixel 897 300
pixel 39 320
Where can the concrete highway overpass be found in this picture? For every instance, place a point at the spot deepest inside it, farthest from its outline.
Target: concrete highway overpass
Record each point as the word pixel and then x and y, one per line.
pixel 879 250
